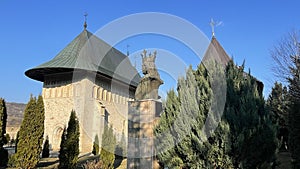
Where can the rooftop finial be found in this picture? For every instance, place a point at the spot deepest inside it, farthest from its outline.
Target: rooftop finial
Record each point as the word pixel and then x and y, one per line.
pixel 85 19
pixel 214 24
pixel 127 46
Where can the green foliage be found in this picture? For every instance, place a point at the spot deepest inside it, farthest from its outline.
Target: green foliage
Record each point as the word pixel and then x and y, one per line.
pixel 30 135
pixel 249 123
pixel 3 119
pixel 3 140
pixel 46 151
pixel 69 146
pixel 7 138
pixel 12 161
pixel 181 131
pixel 95 150
pixel 108 148
pixel 16 142
pixel 294 112
pixel 278 108
pixel 166 134
pixel 233 143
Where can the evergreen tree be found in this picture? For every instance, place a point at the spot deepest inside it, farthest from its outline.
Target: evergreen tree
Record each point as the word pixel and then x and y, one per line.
pixel 95 150
pixel 248 121
pixel 181 132
pixel 278 106
pixel 108 148
pixel 16 142
pixel 30 135
pixel 7 138
pixel 165 133
pixel 46 151
pixel 69 146
pixel 3 119
pixel 294 112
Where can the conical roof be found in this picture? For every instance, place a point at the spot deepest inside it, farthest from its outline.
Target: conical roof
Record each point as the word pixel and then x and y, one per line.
pixel 90 53
pixel 216 51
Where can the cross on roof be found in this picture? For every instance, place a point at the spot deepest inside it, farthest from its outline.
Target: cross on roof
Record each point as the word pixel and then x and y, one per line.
pixel 85 19
pixel 214 24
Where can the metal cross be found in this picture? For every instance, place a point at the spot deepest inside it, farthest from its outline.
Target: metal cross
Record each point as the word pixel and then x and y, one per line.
pixel 85 19
pixel 212 24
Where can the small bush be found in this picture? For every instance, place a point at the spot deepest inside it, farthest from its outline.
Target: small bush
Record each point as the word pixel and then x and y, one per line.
pixel 11 161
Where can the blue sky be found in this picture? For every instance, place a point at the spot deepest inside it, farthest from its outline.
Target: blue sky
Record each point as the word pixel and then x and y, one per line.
pixel 33 32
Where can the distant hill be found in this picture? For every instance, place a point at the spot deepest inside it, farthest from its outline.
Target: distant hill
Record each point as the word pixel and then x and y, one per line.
pixel 14 113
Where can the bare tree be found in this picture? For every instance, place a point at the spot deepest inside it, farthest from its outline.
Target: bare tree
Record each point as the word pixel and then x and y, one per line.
pixel 284 54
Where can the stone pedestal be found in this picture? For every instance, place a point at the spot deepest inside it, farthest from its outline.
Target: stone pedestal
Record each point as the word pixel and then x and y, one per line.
pixel 142 117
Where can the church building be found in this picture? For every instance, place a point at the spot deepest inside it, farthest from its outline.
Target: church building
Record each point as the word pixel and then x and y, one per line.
pixel 92 78
pixel 100 84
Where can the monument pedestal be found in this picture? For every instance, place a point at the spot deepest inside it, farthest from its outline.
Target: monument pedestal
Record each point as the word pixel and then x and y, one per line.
pixel 142 117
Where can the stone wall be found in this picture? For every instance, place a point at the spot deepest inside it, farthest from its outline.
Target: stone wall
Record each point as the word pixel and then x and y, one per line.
pixel 96 102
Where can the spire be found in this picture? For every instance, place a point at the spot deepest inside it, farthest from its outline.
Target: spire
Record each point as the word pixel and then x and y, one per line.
pixel 85 19
pixel 214 24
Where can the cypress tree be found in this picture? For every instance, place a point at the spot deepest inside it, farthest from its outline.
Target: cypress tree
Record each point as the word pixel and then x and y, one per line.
pixel 30 135
pixel 95 150
pixel 69 146
pixel 3 119
pixel 46 151
pixel 108 148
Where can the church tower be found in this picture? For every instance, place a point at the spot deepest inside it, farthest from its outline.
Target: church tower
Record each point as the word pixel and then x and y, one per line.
pixel 92 78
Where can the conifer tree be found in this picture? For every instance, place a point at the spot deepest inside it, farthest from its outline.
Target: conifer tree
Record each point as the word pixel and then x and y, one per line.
pixel 181 131
pixel 278 106
pixel 3 119
pixel 248 121
pixel 166 135
pixel 294 112
pixel 108 148
pixel 30 135
pixel 46 151
pixel 69 146
pixel 95 150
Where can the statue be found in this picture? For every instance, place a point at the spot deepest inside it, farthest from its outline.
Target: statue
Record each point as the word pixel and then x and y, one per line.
pixel 148 66
pixel 149 84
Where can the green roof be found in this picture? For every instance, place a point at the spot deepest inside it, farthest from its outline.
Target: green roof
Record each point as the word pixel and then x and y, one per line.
pixel 90 53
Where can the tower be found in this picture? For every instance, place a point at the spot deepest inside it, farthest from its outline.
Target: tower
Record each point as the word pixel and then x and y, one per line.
pixel 86 76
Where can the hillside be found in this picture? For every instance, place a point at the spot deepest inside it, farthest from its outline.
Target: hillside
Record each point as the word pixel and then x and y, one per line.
pixel 14 113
